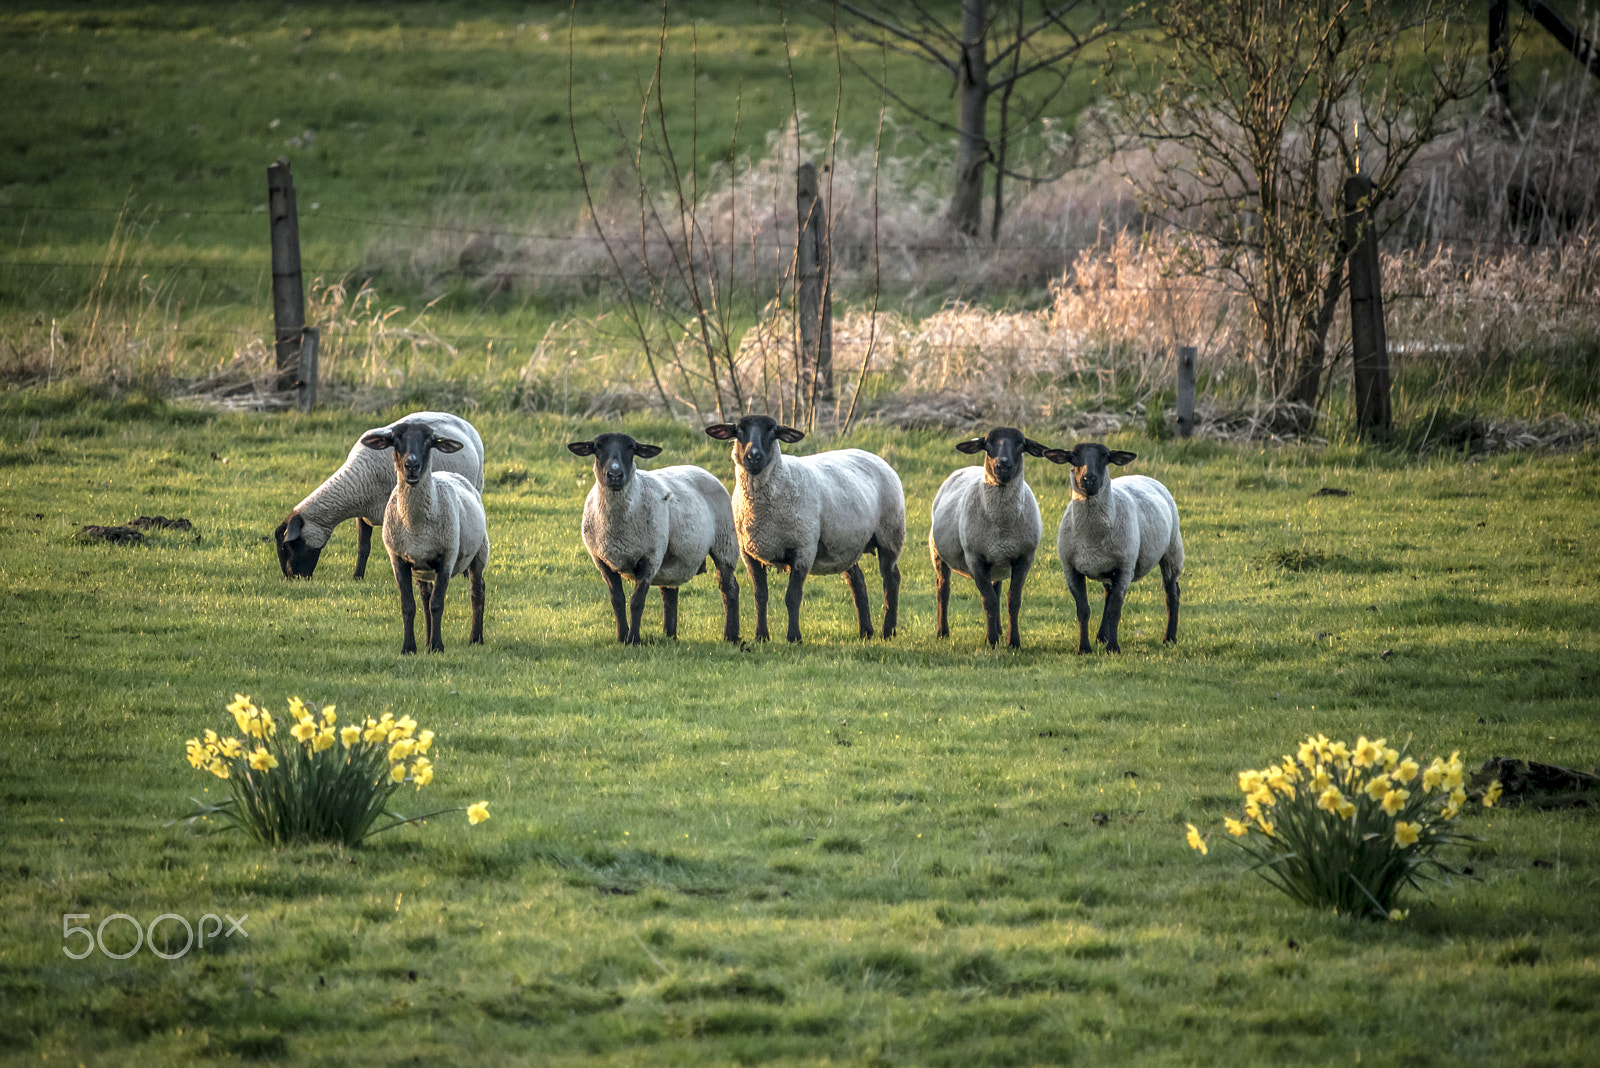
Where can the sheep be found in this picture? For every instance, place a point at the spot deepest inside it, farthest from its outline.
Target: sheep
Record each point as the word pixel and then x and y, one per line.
pixel 360 490
pixel 433 526
pixel 986 526
pixel 1114 531
pixel 813 515
pixel 657 527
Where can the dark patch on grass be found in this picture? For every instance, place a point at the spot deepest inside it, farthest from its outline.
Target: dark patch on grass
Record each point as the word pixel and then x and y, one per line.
pixel 1523 953
pixel 736 985
pixel 981 969
pixel 842 844
pixel 334 949
pixel 740 1021
pixel 1096 951
pixel 544 1002
pixel 878 969
pixel 1295 559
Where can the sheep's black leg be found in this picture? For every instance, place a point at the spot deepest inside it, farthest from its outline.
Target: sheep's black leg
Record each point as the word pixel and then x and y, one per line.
pixel 475 570
pixel 728 579
pixel 1116 593
pixel 792 597
pixel 669 611
pixel 618 600
pixel 891 593
pixel 1080 597
pixel 1105 617
pixel 408 604
pixel 1171 585
pixel 858 593
pixel 941 593
pixel 363 546
pixel 435 605
pixel 641 590
pixel 758 585
pixel 1019 574
pixel 989 592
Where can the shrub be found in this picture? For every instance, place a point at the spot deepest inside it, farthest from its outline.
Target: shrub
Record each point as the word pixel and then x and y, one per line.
pixel 316 781
pixel 1348 828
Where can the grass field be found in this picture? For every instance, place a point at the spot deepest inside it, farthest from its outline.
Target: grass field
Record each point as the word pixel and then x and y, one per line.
pixel 917 852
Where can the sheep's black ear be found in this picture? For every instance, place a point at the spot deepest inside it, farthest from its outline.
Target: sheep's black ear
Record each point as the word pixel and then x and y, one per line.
pixel 723 431
pixel 971 446
pixel 1033 448
pixel 1057 456
pixel 378 439
pixel 447 445
pixel 1119 457
pixel 581 448
pixel 292 529
pixel 646 451
pixel 789 434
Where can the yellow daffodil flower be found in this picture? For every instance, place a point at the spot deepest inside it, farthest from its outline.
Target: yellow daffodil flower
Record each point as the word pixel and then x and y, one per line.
pixel 401 749
pixel 1492 794
pixel 261 760
pixel 1407 770
pixel 350 735
pixel 1391 757
pixel 1406 833
pixel 219 768
pixel 241 703
pixel 1320 779
pixel 1458 797
pixel 424 740
pixel 1377 787
pixel 1395 800
pixel 422 772
pixel 196 753
pixel 1237 828
pixel 398 773
pixel 1347 810
pixel 1263 796
pixel 304 731
pixel 1249 781
pixel 1266 827
pixel 1433 777
pixel 1195 841
pixel 232 749
pixel 297 708
pixel 1330 799
pixel 1339 754
pixel 1252 810
pixel 329 716
pixel 478 813
pixel 1367 753
pixel 323 740
pixel 1396 915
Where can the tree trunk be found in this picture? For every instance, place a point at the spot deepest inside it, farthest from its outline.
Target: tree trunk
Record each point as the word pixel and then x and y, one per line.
pixel 965 214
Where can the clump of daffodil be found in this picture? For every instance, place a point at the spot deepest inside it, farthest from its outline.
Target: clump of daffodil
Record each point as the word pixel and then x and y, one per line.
pixel 317 780
pixel 1349 826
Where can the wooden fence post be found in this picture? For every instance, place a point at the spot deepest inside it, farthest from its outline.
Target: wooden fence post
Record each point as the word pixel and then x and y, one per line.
pixel 1186 362
pixel 1367 335
pixel 814 296
pixel 288 292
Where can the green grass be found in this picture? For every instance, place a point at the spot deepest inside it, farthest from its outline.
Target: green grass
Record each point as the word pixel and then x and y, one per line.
pixel 843 852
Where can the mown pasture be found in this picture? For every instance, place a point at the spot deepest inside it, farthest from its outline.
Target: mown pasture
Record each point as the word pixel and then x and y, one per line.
pixel 910 852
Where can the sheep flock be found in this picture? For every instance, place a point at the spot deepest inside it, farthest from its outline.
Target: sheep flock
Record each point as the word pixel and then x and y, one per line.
pixel 816 514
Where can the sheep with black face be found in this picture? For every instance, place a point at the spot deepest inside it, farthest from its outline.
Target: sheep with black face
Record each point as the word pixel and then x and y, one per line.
pixel 657 527
pixel 813 515
pixel 986 526
pixel 1114 531
pixel 434 528
pixel 359 490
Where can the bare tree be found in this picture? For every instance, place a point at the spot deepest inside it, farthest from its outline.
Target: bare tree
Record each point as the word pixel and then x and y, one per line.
pixel 1262 109
pixel 996 50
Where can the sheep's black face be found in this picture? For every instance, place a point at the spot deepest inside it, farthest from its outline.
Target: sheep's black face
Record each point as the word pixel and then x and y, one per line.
pixel 1090 465
pixel 613 457
pixel 411 442
pixel 1003 449
pixel 297 559
pixel 755 440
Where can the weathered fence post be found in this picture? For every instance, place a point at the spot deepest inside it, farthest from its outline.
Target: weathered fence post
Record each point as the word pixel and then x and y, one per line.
pixel 814 296
pixel 1371 346
pixel 288 292
pixel 1186 362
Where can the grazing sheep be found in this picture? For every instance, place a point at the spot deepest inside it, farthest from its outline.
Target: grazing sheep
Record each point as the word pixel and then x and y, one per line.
pixel 814 515
pixel 657 527
pixel 360 490
pixel 1113 531
pixel 433 527
pixel 986 526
